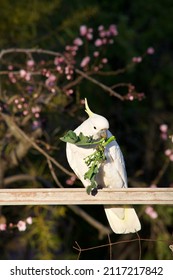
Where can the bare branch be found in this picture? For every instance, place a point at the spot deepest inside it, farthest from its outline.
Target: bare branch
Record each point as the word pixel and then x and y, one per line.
pixel 103 86
pixel 21 135
pixel 18 178
pixel 27 51
pixel 103 230
pixel 53 174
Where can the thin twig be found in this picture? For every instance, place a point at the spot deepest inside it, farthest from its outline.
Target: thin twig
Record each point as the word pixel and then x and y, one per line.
pixel 140 249
pixel 26 51
pixel 110 247
pixel 81 73
pixel 53 174
pixel 79 249
pixel 103 86
pixel 103 230
pixel 18 178
pixel 17 132
pixel 161 172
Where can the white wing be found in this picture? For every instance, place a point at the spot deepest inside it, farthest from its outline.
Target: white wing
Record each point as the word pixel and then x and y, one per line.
pixel 113 173
pixel 75 157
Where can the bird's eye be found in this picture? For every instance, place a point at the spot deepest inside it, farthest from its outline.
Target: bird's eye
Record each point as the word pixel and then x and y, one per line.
pixel 95 127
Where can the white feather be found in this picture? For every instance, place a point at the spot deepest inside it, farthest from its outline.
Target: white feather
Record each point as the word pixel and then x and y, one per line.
pixel 112 173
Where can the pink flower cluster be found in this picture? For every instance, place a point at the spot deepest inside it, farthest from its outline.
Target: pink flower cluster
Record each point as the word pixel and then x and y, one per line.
pixel 164 136
pixel 164 131
pixel 132 94
pixel 149 210
pixel 86 32
pixel 106 35
pixel 22 105
pixel 71 181
pixel 138 59
pixel 21 225
pixel 169 154
pixel 45 76
pixel 150 50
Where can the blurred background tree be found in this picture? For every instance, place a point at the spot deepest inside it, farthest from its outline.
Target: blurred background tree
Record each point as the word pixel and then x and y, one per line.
pixel 44 103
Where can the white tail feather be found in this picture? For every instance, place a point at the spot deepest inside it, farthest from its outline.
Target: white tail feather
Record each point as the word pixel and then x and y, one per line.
pixel 122 220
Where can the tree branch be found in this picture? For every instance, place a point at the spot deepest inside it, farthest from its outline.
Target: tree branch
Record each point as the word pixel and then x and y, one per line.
pixel 21 135
pixel 104 87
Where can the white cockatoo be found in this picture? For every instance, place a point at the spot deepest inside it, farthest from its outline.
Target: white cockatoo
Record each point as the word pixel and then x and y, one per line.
pixel 111 174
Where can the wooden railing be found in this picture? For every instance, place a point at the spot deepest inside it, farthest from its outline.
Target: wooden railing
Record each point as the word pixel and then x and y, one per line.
pixel 78 196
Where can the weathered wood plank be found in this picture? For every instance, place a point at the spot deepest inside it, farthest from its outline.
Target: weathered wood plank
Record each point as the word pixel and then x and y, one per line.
pixel 74 196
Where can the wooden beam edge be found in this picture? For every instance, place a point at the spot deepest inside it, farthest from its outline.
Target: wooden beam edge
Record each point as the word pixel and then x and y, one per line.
pixel 78 196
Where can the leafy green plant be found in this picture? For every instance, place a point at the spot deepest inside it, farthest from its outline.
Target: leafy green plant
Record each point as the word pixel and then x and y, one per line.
pixel 94 160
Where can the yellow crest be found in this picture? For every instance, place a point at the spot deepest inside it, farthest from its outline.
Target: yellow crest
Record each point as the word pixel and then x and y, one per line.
pixel 87 109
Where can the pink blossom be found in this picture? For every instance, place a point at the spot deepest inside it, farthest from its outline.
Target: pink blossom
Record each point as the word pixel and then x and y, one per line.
pixel 10 67
pixel 137 59
pixel 150 50
pixel 164 128
pixel 90 30
pixel 82 101
pixel 59 69
pixel 153 186
pixel 19 106
pixel 141 96
pixel 96 68
pixel 71 180
pixel 113 30
pixel 58 60
pixel 30 63
pixel 16 101
pixel 85 61
pixel 69 77
pixel 168 152
pixel 104 41
pixel 3 227
pixel 69 70
pixel 50 80
pixel 25 112
pixel 164 136
pixel 37 115
pixel 21 225
pixel 78 42
pixel 27 76
pixel 103 34
pixel 29 220
pixel 101 27
pixel 36 124
pixel 35 109
pixel 98 43
pixel 89 36
pixel 104 60
pixel 151 212
pixel 12 78
pixel 22 73
pixel 171 157
pixel 69 92
pixel 96 54
pixel 131 97
pixel 83 30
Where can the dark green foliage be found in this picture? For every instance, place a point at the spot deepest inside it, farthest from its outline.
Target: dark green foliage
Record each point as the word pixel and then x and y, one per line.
pixel 80 140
